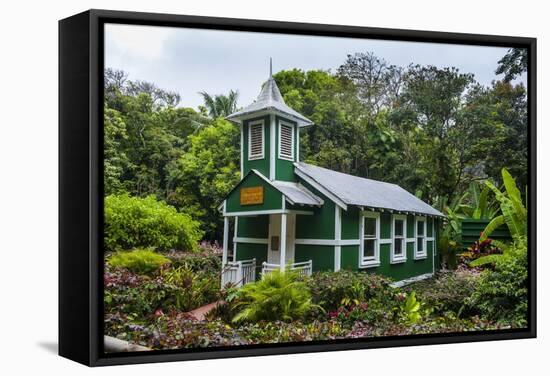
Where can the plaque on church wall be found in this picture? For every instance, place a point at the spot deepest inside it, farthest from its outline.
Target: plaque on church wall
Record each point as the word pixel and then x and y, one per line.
pixel 252 195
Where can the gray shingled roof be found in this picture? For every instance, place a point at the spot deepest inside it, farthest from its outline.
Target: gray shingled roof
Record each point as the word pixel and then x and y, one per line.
pixel 353 190
pixel 270 99
pixel 297 193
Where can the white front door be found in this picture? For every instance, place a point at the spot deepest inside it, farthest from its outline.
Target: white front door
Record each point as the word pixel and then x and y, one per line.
pixel 274 242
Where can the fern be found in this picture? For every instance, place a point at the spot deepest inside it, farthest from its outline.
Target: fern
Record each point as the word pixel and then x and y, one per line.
pixel 277 296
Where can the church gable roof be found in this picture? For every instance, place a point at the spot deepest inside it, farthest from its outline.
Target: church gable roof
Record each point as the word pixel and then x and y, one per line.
pixel 368 193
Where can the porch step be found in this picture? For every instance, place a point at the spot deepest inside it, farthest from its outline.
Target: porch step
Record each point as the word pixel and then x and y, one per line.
pixel 200 313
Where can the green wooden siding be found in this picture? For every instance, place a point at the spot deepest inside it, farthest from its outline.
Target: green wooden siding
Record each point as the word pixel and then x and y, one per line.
pixel 350 257
pixel 284 170
pixel 404 270
pixel 385 225
pixel 320 225
pixel 261 165
pixel 253 227
pixel 321 255
pixel 350 223
pixel 410 226
pixel 429 223
pixel 472 228
pixel 272 197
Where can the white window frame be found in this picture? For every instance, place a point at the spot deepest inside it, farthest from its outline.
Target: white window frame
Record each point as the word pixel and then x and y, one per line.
pixel 366 262
pixel 293 140
pixel 250 125
pixel 403 256
pixel 424 254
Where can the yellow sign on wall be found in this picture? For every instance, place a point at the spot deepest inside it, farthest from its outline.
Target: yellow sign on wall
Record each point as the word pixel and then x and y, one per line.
pixel 252 195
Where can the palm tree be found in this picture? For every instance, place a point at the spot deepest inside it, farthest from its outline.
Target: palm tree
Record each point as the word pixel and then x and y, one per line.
pixel 220 105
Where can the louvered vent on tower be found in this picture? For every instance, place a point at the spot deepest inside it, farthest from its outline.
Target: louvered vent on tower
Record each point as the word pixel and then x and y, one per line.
pixel 256 134
pixel 286 143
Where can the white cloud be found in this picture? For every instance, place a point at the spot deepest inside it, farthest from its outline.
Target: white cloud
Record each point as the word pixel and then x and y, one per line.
pixel 134 41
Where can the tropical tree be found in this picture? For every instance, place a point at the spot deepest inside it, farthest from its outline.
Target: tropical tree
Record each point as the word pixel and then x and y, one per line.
pixel 513 63
pixel 200 179
pixel 220 105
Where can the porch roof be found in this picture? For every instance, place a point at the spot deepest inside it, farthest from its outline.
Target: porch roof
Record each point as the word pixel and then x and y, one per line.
pixel 354 190
pixel 294 193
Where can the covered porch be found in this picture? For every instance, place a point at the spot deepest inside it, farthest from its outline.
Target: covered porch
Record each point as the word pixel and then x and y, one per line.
pixel 280 247
pixel 264 215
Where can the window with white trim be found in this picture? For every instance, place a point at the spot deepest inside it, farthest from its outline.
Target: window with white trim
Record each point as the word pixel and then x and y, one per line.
pixel 399 241
pixel 370 239
pixel 256 140
pixel 286 141
pixel 420 238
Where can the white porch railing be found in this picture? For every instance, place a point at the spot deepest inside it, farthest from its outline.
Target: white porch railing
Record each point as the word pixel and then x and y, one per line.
pixel 239 273
pixel 303 268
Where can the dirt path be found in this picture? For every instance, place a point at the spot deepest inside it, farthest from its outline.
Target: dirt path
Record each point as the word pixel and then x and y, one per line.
pixel 200 312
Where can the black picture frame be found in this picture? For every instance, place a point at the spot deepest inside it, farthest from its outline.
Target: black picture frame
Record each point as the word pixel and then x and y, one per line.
pixel 80 184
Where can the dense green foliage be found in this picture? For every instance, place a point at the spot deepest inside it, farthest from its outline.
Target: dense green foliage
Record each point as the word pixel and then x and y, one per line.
pixel 204 175
pixel 132 222
pixel 144 283
pixel 432 130
pixel 501 293
pixel 140 261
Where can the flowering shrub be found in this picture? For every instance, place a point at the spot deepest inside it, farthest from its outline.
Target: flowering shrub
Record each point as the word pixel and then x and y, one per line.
pixel 169 288
pixel 206 259
pixel 479 249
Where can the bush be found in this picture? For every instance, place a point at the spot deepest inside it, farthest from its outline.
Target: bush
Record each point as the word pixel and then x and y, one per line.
pixel 191 289
pixel 140 261
pixel 141 296
pixel 448 291
pixel 501 292
pixel 197 261
pixel 133 222
pixel 331 290
pixel 277 296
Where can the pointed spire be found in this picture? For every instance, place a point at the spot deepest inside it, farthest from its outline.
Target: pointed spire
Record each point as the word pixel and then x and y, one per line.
pixel 271 100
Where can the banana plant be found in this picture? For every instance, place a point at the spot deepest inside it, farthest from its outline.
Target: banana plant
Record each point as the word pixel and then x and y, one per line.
pixel 482 205
pixel 514 216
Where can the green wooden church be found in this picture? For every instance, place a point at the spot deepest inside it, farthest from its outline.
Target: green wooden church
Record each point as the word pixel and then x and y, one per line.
pixel 290 214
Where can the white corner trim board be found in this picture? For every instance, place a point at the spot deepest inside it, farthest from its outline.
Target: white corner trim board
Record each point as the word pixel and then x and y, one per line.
pixel 272 147
pixel 337 236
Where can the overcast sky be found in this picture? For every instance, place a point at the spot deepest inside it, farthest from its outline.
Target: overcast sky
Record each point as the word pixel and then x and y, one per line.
pixel 191 60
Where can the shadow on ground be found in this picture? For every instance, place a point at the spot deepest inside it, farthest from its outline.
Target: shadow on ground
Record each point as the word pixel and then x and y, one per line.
pixel 50 347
